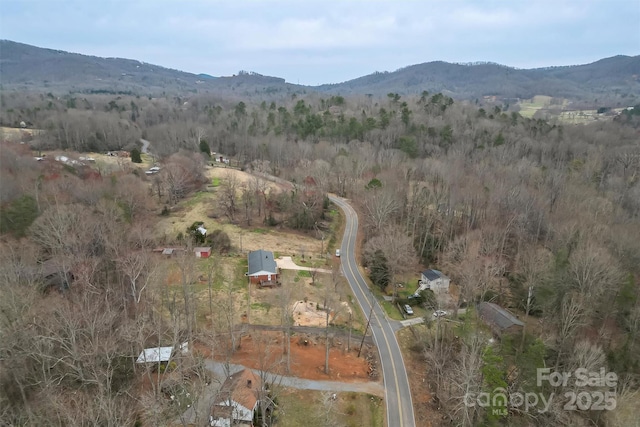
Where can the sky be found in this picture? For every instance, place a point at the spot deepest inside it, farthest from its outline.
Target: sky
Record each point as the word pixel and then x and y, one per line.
pixel 314 42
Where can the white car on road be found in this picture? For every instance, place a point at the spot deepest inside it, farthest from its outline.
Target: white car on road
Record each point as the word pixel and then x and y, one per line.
pixel 439 313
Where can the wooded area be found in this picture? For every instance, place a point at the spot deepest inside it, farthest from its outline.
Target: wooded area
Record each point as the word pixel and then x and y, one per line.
pixel 539 217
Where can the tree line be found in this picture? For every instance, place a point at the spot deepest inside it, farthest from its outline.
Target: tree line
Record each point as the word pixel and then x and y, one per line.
pixel 538 216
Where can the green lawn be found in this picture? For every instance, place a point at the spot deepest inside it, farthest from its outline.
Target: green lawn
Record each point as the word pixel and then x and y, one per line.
pixel 198 197
pixel 391 310
pixel 261 306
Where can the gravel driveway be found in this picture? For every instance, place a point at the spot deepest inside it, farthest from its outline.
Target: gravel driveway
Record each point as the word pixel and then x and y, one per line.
pixel 286 263
pixel 374 388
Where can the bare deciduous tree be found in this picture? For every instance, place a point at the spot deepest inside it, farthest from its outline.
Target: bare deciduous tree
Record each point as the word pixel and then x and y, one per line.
pixel 229 195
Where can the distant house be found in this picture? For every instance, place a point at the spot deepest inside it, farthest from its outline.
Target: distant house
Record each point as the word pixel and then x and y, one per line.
pixel 262 267
pixel 500 320
pixel 434 280
pixel 168 251
pixel 202 252
pixel 237 401
pixel 155 355
pixel 160 354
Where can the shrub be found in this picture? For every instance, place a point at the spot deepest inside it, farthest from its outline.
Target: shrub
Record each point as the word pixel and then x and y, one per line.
pixel 171 366
pixel 220 241
pixel 351 409
pixel 18 215
pixel 204 148
pixel 135 156
pixel 271 221
pixel 195 234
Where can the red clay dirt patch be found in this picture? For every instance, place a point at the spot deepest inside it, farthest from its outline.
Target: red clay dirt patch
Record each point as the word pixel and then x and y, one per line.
pixel 262 349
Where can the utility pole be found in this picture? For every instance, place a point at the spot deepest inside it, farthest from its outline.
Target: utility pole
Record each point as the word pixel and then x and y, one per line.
pixel 249 301
pixel 366 329
pixel 349 339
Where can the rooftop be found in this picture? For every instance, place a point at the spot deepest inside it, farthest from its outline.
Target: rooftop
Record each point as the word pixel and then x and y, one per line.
pixel 262 260
pixel 155 355
pixel 497 316
pixel 432 274
pixel 242 388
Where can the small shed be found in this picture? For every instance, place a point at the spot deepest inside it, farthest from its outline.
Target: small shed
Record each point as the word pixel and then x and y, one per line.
pixel 203 252
pixel 160 354
pixel 155 355
pixel 500 320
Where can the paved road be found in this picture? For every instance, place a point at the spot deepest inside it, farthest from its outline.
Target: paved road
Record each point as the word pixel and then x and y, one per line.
pixel 394 374
pixel 145 146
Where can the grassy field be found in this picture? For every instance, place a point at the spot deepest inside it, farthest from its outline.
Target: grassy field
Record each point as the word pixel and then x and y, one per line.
pixel 528 107
pixel 578 117
pixel 317 409
pixel 560 111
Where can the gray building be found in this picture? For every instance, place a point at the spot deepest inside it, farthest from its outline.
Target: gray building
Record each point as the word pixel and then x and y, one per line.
pixel 500 320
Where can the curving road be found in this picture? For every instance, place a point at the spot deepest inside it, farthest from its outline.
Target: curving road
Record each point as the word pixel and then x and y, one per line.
pixel 145 146
pixel 394 374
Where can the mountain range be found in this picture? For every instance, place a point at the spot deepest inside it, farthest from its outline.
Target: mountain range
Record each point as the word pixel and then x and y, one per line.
pixel 31 68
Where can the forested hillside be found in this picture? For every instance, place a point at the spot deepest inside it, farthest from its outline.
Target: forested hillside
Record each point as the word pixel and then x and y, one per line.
pixel 539 217
pixel 29 68
pixel 612 82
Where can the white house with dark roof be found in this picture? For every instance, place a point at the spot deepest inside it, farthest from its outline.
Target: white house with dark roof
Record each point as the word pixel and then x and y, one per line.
pixel 434 280
pixel 262 267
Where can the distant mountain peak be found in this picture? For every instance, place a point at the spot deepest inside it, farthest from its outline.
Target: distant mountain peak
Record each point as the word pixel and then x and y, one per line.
pixel 25 67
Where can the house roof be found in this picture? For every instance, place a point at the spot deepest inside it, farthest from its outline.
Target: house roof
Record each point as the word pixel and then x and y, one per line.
pixel 202 249
pixel 497 316
pixel 432 274
pixel 245 386
pixel 160 354
pixel 155 355
pixel 242 388
pixel 261 260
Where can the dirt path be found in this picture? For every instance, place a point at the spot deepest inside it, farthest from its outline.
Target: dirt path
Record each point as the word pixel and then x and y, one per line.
pixel 222 370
